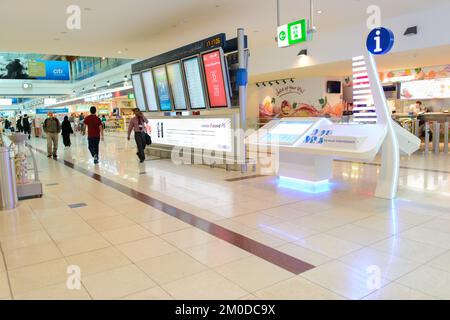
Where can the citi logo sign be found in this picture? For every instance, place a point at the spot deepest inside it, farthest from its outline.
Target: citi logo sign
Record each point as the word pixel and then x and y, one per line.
pixel 57 72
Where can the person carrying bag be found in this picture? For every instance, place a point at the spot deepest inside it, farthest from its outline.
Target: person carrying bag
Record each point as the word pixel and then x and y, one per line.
pixel 142 138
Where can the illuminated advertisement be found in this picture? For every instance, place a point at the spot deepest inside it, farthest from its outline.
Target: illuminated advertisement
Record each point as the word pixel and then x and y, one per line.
pixel 162 86
pixel 215 80
pixel 149 88
pixel 203 133
pixel 177 85
pixel 194 83
pixel 426 89
pixel 138 92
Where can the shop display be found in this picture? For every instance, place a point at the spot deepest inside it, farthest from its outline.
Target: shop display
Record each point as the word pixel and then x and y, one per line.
pixel 194 83
pixel 162 86
pixel 215 79
pixel 149 88
pixel 138 91
pixel 202 133
pixel 426 89
pixel 177 86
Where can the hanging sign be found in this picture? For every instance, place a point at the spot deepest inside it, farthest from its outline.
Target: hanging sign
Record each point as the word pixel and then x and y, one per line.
pixel 292 33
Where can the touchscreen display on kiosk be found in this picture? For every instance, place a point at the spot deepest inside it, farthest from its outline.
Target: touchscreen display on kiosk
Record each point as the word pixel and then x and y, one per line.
pixel 138 92
pixel 194 83
pixel 149 88
pixel 162 87
pixel 215 80
pixel 177 85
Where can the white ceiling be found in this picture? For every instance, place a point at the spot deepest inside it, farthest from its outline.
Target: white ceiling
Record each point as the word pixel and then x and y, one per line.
pixel 142 28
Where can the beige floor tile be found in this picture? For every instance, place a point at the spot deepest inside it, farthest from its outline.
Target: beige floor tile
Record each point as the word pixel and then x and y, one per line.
pixel 257 220
pixel 319 223
pixel 82 244
pixel 146 248
pixel 263 273
pixel 431 281
pixel 38 276
pixel 117 283
pixel 328 245
pixel 127 234
pixel 96 212
pixel 31 255
pixel 188 238
pixel 2 263
pixel 165 225
pixel 301 253
pixel 207 285
pixel 25 240
pixel 110 223
pixel 408 249
pixel 14 228
pixel 148 215
pixel 341 279
pixel 264 238
pixel 391 267
pixel 54 292
pixel 216 253
pixel 289 231
pixel 71 231
pixel 4 285
pixel 156 293
pixel 249 297
pixel 285 213
pixel 359 235
pixel 233 226
pixel 384 225
pixel 395 291
pixel 296 288
pixel 428 236
pixel 99 260
pixel 442 225
pixel 441 262
pixel 170 267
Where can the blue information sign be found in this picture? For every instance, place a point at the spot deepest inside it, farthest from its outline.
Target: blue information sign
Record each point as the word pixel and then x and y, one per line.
pixel 53 110
pixel 380 41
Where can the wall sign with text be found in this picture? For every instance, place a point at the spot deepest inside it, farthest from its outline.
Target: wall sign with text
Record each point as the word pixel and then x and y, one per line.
pixel 292 33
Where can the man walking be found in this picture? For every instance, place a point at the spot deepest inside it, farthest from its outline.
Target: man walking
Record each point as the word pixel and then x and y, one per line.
pixel 95 132
pixel 52 128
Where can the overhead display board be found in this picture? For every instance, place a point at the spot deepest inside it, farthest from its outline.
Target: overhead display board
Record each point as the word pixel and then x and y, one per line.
pixel 426 89
pixel 213 65
pixel 201 133
pixel 149 88
pixel 162 87
pixel 177 86
pixel 195 86
pixel 138 91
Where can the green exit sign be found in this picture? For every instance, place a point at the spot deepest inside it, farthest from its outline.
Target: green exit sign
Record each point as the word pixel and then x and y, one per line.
pixel 131 96
pixel 292 33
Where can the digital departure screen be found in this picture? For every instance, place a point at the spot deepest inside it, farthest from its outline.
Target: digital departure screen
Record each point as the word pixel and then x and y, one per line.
pixel 215 79
pixel 162 87
pixel 177 85
pixel 194 83
pixel 138 91
pixel 149 88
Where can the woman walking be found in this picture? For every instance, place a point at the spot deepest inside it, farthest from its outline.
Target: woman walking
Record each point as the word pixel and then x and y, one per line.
pixel 66 129
pixel 137 124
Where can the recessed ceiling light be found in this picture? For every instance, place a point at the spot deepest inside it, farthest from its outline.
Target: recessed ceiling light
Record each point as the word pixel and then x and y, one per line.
pixel 319 11
pixel 87 9
pixel 119 52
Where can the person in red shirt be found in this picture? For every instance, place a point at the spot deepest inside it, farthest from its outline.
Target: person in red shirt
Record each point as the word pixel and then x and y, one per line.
pixel 95 132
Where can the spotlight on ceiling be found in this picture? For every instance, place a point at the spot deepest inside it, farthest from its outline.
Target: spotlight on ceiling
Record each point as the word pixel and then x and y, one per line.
pixel 292 80
pixel 264 84
pixel 108 83
pixel 257 84
pixel 411 31
pixel 277 82
pixel 303 53
pixel 284 81
pixel 270 83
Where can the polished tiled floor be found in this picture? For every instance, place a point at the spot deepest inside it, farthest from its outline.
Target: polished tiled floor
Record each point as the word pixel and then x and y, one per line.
pixel 127 249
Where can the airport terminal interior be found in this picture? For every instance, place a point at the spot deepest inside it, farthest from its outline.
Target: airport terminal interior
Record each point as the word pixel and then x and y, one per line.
pixel 225 150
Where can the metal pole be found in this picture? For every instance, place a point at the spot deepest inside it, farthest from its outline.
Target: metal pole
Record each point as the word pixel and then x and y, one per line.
pixel 446 128
pixel 427 137
pixel 278 13
pixel 242 96
pixel 416 128
pixel 436 136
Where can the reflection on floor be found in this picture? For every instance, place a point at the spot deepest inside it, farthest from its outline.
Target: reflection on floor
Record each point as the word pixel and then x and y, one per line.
pixel 361 247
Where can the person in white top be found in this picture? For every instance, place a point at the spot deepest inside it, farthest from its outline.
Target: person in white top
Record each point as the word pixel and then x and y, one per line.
pixel 416 108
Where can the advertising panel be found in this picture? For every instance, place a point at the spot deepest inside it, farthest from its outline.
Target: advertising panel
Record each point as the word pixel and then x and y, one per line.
pixel 138 91
pixel 426 89
pixel 215 80
pixel 203 133
pixel 23 68
pixel 162 87
pixel 194 83
pixel 177 85
pixel 150 94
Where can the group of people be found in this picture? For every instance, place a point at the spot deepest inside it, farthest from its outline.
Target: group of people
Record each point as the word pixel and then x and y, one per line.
pixel 22 125
pixel 95 133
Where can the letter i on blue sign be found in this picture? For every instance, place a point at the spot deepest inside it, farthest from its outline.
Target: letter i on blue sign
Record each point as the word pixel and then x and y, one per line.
pixel 380 41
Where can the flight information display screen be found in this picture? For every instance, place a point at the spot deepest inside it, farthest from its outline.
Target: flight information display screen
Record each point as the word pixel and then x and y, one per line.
pixel 194 83
pixel 215 80
pixel 162 87
pixel 149 88
pixel 138 91
pixel 177 86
